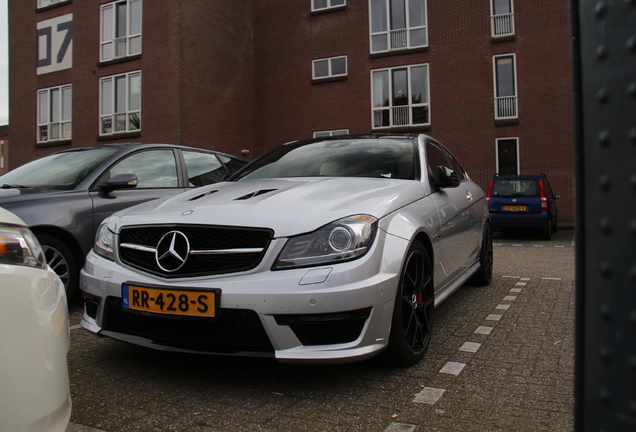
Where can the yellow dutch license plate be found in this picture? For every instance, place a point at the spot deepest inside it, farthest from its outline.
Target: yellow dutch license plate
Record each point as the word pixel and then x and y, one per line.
pixel 169 301
pixel 514 208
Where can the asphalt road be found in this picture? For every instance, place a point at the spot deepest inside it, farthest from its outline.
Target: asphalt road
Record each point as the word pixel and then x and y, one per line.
pixel 501 359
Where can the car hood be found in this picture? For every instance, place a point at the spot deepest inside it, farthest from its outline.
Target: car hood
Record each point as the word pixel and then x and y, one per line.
pixel 288 206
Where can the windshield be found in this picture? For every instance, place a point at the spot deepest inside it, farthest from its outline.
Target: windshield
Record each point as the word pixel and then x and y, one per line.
pixel 57 171
pixel 380 158
pixel 516 188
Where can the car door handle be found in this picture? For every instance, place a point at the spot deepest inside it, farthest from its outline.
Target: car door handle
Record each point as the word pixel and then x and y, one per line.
pixel 469 196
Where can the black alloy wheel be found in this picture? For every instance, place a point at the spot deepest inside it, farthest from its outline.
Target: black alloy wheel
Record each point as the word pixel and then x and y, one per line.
pixel 412 322
pixel 483 276
pixel 60 259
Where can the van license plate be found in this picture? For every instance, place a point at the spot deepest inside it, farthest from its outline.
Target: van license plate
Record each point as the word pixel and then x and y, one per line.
pixel 514 208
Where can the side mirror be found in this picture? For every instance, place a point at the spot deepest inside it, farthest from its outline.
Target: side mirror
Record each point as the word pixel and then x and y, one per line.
pixel 122 181
pixel 448 178
pixel 557 196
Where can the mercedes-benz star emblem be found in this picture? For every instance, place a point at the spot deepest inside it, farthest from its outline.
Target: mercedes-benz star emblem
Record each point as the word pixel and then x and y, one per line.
pixel 172 251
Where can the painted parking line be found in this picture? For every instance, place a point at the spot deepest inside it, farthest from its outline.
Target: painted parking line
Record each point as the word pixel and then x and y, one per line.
pixel 400 427
pixel 471 347
pixel 484 330
pixel 493 317
pixel 452 368
pixel 429 396
pixel 75 327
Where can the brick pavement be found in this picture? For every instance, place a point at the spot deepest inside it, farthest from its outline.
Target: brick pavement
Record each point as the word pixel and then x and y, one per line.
pixel 501 359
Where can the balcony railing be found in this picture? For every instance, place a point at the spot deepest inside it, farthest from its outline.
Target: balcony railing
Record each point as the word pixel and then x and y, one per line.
pixel 503 25
pixel 506 107
pixel 399 39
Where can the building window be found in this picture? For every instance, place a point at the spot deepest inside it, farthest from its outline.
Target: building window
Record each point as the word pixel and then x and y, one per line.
pixel 398 25
pixel 121 29
pixel 45 3
pixel 55 113
pixel 502 15
pixel 330 67
pixel 507 156
pixel 505 76
pixel 400 96
pixel 329 133
pixel 120 103
pixel 319 5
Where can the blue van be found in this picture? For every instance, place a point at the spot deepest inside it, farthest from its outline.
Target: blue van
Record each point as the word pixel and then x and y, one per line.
pixel 523 201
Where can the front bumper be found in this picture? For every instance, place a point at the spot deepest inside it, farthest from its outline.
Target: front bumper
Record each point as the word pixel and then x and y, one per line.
pixel 335 313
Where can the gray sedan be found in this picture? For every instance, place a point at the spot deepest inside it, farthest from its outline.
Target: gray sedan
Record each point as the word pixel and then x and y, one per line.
pixel 64 197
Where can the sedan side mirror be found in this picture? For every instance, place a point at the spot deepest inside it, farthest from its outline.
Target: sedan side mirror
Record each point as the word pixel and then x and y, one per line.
pixel 122 181
pixel 448 178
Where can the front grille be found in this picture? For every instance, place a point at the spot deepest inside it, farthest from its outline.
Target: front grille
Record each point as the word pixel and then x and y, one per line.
pixel 233 331
pixel 242 249
pixel 326 329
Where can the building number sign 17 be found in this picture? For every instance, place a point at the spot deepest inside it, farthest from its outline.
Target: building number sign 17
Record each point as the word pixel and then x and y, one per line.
pixel 55 44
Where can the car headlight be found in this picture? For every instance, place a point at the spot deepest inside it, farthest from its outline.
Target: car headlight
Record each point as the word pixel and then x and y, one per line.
pixel 18 246
pixel 104 241
pixel 343 240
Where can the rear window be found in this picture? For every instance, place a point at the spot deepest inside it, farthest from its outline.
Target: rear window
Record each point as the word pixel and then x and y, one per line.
pixel 515 188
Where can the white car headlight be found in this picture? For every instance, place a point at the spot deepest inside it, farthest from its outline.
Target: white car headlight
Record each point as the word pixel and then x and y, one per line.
pixel 18 246
pixel 104 241
pixel 343 240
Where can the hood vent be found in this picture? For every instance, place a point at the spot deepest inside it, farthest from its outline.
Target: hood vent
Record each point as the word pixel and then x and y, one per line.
pixel 253 194
pixel 204 194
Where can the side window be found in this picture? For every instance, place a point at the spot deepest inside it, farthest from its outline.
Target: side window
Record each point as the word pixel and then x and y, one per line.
pixel 434 158
pixel 153 168
pixel 232 164
pixel 203 168
pixel 455 166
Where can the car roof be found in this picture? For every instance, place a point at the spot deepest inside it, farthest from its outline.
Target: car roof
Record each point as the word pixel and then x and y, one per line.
pixel 124 147
pixel 528 176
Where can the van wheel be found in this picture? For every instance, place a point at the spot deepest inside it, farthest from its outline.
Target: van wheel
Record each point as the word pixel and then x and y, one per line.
pixel 412 322
pixel 60 259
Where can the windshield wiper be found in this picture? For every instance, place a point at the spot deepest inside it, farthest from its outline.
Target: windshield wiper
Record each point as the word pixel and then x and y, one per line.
pixel 16 186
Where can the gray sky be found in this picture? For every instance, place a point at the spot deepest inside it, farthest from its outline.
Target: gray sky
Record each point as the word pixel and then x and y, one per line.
pixel 4 64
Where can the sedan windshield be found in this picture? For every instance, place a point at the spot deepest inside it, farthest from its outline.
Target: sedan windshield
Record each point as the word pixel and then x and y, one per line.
pixel 57 171
pixel 392 158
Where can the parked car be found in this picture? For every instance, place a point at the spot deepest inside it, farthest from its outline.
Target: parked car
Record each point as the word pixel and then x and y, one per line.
pixel 523 202
pixel 64 197
pixel 327 250
pixel 34 341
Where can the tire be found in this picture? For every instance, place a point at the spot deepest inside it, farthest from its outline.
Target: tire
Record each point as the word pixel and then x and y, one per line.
pixel 61 260
pixel 546 233
pixel 412 321
pixel 483 276
pixel 554 226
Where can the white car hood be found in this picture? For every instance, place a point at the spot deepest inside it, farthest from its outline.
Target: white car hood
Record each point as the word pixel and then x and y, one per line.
pixel 288 206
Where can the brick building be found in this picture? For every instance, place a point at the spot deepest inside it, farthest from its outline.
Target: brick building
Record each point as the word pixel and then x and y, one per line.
pixel 488 78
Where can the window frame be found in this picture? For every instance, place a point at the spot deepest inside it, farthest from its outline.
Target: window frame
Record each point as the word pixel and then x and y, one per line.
pixel 113 104
pixel 393 108
pixel 51 121
pixel 502 25
pixel 112 40
pixel 517 158
pixel 329 6
pixel 506 106
pixel 394 34
pixel 330 68
pixel 50 3
pixel 330 133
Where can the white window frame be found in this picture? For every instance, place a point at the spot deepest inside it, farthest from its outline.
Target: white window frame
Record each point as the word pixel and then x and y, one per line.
pixel 46 3
pixel 506 106
pixel 330 73
pixel 56 123
pixel 497 141
pixel 121 120
pixel 396 39
pixel 111 46
pixel 330 133
pixel 502 24
pixel 400 115
pixel 330 5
